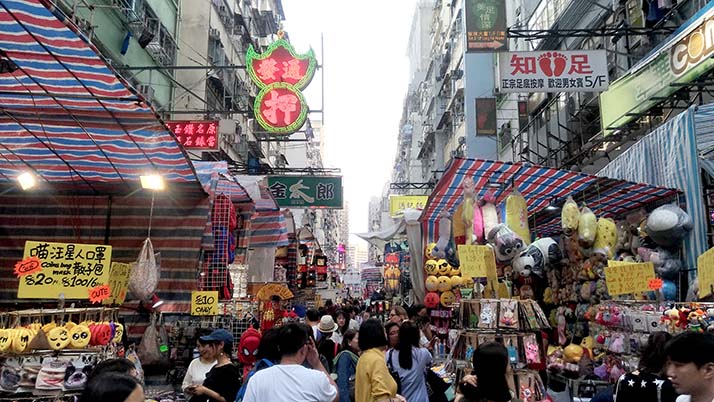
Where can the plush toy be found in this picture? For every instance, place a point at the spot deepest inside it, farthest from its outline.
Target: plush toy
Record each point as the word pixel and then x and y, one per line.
pixel 455 271
pixel 573 353
pixel 605 237
pixel 447 298
pixel 489 212
pixel 668 225
pixel 467 212
pixel 478 231
pixel 442 243
pixel 443 284
pixel 570 217
pixel 429 251
pixel 666 264
pixel 444 267
pixel 587 227
pixel 431 267
pixel 432 283
pixel 456 282
pixel 505 242
pixel 458 227
pixel 515 215
pixel 248 349
pixel 536 258
pixel 432 300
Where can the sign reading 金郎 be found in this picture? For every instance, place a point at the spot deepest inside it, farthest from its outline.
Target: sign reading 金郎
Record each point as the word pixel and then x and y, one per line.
pixel 553 71
pixel 705 273
pixel 398 203
pixel 69 268
pixel 628 278
pixel 200 135
pixel 682 58
pixel 281 74
pixel 485 25
pixel 306 191
pixel 204 302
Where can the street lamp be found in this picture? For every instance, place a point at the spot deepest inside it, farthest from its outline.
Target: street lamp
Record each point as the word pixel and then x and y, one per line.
pixel 27 180
pixel 152 182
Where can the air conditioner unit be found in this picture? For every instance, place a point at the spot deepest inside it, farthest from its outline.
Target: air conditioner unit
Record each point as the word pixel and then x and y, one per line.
pixel 214 33
pixel 147 91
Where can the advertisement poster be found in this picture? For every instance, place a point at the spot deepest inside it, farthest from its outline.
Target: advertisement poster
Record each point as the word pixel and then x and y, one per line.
pixel 485 25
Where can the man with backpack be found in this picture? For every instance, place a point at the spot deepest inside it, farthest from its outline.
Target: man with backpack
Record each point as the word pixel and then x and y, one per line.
pixel 289 381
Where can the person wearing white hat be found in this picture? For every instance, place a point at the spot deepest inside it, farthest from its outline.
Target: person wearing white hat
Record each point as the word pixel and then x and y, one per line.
pixel 325 346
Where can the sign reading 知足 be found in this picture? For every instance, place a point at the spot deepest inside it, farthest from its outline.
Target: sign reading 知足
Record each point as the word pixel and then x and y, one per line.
pixel 281 74
pixel 485 25
pixel 118 283
pixel 705 273
pixel 306 191
pixel 398 203
pixel 204 302
pixel 628 278
pixel 553 71
pixel 69 268
pixel 680 59
pixel 201 135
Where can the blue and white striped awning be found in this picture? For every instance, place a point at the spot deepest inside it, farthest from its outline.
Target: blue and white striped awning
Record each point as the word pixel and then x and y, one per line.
pixel 68 117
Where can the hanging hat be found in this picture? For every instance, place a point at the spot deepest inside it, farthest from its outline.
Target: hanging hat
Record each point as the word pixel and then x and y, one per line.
pixel 327 324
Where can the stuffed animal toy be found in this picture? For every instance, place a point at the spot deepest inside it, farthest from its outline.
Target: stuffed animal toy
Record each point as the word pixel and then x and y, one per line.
pixel 570 217
pixel 668 225
pixel 440 250
pixel 538 257
pixel 432 283
pixel 624 237
pixel 505 242
pixel 429 251
pixel 489 213
pixel 443 266
pixel 605 237
pixel 587 227
pixel 431 267
pixel 443 284
pixel 432 300
pixel 458 227
pixel 666 264
pixel 248 349
pixel 467 212
pixel 515 215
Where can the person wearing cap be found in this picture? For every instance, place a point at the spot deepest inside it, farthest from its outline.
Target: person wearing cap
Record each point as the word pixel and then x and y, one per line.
pixel 326 346
pixel 289 381
pixel 222 381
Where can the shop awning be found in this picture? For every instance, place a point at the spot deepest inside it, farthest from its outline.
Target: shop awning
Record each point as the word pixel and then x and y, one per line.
pixel 541 187
pixel 268 229
pixel 216 179
pixel 68 117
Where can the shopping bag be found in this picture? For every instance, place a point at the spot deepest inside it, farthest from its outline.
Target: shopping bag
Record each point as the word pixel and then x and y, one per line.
pixel 144 275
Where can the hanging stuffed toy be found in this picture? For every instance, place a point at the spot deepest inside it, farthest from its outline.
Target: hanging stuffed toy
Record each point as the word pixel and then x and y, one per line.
pixel 458 226
pixel 538 257
pixel 515 215
pixel 605 237
pixel 467 212
pixel 668 225
pixel 429 251
pixel 587 227
pixel 489 213
pixel 440 250
pixel 505 242
pixel 570 216
pixel 248 349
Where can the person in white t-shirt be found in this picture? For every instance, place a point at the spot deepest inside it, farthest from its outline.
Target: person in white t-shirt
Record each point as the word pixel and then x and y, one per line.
pixel 691 366
pixel 199 367
pixel 289 381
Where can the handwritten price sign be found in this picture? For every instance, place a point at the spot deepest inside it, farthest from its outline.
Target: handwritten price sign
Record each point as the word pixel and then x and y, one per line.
pixel 477 261
pixel 118 282
pixel 628 278
pixel 705 273
pixel 28 266
pixel 204 302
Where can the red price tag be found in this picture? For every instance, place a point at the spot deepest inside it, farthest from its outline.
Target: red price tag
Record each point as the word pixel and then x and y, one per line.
pixel 99 293
pixel 28 266
pixel 655 284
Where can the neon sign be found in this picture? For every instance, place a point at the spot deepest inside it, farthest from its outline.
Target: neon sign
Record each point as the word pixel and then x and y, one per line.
pixel 201 135
pixel 281 74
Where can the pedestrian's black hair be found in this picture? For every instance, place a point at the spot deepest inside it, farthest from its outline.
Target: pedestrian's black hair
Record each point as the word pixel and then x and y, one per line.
pixel 291 339
pixel 691 347
pixel 408 339
pixel 490 361
pixel 653 358
pixel 268 346
pixel 372 335
pixel 118 365
pixel 109 387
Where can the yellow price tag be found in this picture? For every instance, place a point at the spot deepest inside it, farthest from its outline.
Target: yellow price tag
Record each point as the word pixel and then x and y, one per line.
pixel 118 283
pixel 204 302
pixel 628 278
pixel 705 273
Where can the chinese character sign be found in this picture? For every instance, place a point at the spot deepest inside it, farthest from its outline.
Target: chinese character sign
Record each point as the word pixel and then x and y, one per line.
pixel 281 74
pixel 306 191
pixel 705 273
pixel 553 71
pixel 628 278
pixel 201 135
pixel 398 203
pixel 485 25
pixel 72 269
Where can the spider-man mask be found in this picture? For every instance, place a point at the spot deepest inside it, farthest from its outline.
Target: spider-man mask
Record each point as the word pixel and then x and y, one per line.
pixel 248 346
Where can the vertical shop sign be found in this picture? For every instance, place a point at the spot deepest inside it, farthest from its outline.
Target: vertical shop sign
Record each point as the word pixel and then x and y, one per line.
pixel 199 135
pixel 306 191
pixel 522 115
pixel 485 25
pixel 281 74
pixel 486 116
pixel 67 268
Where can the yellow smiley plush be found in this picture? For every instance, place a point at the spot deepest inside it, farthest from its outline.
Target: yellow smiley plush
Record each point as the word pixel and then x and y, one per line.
pixel 455 282
pixel 431 267
pixel 448 298
pixel 20 339
pixel 79 336
pixel 444 284
pixel 5 339
pixel 58 337
pixel 444 267
pixel 118 332
pixel 432 283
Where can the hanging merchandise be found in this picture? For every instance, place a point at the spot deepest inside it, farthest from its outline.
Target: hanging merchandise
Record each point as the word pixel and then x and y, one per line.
pixel 506 244
pixel 489 213
pixel 144 276
pixel 514 214
pixel 570 216
pixel 468 212
pixel 605 237
pixel 587 227
pixel 668 225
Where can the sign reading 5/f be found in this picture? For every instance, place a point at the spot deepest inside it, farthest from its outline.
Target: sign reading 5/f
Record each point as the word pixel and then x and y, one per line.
pixel 204 302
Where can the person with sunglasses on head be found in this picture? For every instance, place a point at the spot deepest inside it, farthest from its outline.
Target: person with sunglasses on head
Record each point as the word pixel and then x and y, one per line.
pixel 290 381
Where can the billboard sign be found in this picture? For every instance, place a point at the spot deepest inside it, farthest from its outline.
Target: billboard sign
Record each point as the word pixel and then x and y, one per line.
pixel 485 25
pixel 398 203
pixel 199 135
pixel 306 191
pixel 553 71
pixel 486 119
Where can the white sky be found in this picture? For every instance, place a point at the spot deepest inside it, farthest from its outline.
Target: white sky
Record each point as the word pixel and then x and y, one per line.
pixel 366 76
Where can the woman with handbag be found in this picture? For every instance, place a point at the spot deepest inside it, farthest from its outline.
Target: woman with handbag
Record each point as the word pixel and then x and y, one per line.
pixel 410 362
pixel 346 365
pixel 373 381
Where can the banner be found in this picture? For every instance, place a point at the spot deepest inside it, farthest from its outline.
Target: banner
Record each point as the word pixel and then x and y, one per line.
pixel 204 302
pixel 398 203
pixel 306 191
pixel 486 118
pixel 67 268
pixel 199 135
pixel 485 25
pixel 682 58
pixel 551 71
